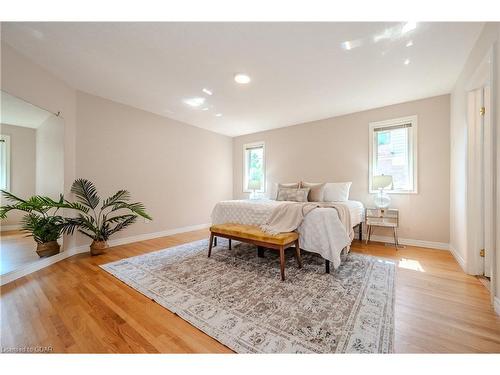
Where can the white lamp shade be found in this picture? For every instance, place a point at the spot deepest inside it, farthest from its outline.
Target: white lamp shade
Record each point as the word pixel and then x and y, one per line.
pixel 381 182
pixel 254 185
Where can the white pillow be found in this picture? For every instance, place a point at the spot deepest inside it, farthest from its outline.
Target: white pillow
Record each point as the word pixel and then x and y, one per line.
pixel 336 191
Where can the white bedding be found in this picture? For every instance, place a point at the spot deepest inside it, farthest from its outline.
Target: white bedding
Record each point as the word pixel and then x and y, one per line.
pixel 321 231
pixel 357 211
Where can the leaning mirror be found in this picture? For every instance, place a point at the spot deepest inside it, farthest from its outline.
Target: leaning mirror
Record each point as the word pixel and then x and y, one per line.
pixel 31 164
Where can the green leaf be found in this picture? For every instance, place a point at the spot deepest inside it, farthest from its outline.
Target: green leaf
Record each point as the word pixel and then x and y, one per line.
pixel 137 208
pixel 122 225
pixel 121 196
pixel 86 192
pixel 42 229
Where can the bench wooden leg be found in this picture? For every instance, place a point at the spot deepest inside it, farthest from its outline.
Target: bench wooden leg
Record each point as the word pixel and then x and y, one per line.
pixel 360 225
pixel 210 243
pixel 215 241
pixel 260 252
pixel 282 263
pixel 297 254
pixel 327 266
pixel 229 244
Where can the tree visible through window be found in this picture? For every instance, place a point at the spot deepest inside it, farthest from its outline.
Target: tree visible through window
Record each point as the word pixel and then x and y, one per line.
pixel 254 165
pixel 393 152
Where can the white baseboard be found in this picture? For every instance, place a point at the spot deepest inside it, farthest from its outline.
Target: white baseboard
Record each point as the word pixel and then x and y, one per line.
pixel 45 262
pixel 496 305
pixel 149 236
pixel 5 228
pixel 412 242
pixel 460 260
pixel 40 263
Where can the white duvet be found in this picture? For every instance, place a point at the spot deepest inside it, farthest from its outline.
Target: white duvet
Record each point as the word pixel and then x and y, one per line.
pixel 321 231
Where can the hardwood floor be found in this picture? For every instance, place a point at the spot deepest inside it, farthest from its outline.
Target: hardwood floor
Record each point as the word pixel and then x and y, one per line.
pixel 16 250
pixel 74 306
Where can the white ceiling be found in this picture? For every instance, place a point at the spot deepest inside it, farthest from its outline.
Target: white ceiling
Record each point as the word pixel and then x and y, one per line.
pixel 299 71
pixel 15 111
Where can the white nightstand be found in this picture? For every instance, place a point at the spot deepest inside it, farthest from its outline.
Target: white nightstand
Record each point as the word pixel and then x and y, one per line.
pixel 382 217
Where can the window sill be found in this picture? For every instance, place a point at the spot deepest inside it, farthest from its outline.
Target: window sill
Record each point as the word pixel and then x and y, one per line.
pixel 395 192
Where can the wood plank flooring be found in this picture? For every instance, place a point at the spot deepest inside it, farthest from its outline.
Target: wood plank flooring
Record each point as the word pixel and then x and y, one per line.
pixel 16 250
pixel 74 306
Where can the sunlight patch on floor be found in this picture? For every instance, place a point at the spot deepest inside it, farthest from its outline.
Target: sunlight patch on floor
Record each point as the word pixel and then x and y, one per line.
pixel 410 264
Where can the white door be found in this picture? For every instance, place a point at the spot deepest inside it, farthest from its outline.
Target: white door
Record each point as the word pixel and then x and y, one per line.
pixel 481 212
pixel 487 181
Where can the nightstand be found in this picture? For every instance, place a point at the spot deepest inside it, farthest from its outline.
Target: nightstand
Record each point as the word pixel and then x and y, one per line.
pixel 382 217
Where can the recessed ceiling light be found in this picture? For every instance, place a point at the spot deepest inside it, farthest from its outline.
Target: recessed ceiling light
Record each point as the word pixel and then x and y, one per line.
pixel 407 61
pixel 242 78
pixel 205 109
pixel 194 102
pixel 350 44
pixel 409 26
pixel 409 44
pixel 218 115
pixel 347 45
pixel 207 91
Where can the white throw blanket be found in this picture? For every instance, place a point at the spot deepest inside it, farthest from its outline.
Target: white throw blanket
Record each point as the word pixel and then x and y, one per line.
pixel 288 216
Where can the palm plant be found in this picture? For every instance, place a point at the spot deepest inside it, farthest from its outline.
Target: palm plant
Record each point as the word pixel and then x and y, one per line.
pixel 41 220
pixel 101 222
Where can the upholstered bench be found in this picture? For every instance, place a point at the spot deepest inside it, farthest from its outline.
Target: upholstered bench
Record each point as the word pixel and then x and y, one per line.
pixel 254 235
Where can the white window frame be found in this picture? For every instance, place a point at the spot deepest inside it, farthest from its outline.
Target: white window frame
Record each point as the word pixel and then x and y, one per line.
pixel 412 151
pixel 245 164
pixel 6 138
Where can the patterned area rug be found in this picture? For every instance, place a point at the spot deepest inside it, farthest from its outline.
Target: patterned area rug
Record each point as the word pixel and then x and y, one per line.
pixel 238 298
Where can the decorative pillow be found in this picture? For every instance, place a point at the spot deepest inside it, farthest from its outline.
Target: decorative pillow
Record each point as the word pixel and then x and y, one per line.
pixel 278 186
pixel 293 195
pixel 336 191
pixel 316 191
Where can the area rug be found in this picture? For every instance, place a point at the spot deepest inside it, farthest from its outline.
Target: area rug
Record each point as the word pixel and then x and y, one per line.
pixel 239 299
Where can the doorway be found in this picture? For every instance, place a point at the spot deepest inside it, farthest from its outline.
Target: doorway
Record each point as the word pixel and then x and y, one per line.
pixel 481 179
pixel 481 187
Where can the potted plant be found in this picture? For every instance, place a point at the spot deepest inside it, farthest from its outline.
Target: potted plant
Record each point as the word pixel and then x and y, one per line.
pixel 97 220
pixel 44 225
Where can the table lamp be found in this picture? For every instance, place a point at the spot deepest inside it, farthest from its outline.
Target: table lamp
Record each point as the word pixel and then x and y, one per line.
pixel 381 200
pixel 254 185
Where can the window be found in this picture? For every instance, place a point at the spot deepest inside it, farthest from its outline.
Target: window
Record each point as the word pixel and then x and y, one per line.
pixel 254 166
pixel 5 162
pixel 393 152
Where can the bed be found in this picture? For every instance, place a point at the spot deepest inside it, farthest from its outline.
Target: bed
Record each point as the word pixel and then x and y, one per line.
pixel 321 231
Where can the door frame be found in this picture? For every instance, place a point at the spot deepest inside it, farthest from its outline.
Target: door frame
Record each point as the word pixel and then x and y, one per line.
pixel 483 76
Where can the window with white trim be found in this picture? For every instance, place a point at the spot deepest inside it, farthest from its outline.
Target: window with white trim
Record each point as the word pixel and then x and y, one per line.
pixel 393 152
pixel 254 167
pixel 5 162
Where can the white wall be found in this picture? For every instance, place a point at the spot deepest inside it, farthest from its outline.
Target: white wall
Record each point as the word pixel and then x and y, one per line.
pixel 22 166
pixel 458 153
pixel 336 149
pixel 23 78
pixel 177 170
pixel 50 158
pixel 458 150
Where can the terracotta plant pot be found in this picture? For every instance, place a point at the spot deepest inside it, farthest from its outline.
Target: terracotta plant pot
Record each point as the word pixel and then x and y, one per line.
pixel 98 247
pixel 47 249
